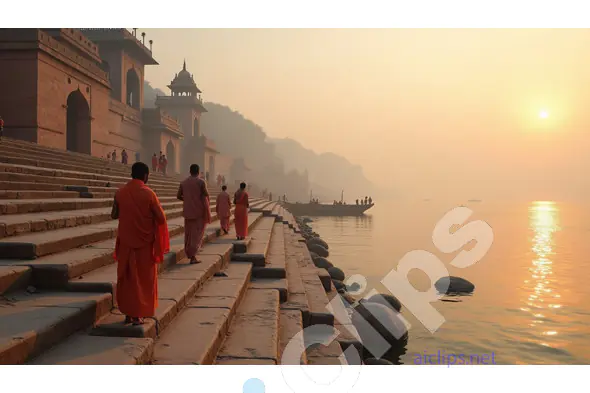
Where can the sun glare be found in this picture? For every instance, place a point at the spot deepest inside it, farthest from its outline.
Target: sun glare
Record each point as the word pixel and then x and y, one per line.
pixel 543 114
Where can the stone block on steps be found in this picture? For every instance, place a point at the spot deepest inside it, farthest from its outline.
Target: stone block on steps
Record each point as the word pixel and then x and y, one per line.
pixel 207 316
pixel 291 334
pixel 253 334
pixel 259 245
pixel 82 349
pixel 13 278
pixel 278 284
pixel 32 323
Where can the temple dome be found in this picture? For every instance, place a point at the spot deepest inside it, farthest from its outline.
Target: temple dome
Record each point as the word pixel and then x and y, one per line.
pixel 184 80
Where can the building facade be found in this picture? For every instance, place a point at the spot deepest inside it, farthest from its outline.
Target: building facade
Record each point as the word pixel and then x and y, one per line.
pixel 82 90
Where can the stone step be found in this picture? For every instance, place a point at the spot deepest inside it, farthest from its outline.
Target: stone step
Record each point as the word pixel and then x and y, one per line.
pixel 83 349
pixel 13 278
pixel 17 224
pixel 261 208
pixel 46 175
pixel 314 289
pixel 277 284
pixel 254 332
pixel 297 298
pixel 275 260
pixel 76 181
pixel 43 157
pixel 23 147
pixel 32 194
pixel 56 270
pixel 105 278
pixel 196 334
pixel 32 323
pixel 259 243
pixel 291 334
pixel 35 245
pixel 240 246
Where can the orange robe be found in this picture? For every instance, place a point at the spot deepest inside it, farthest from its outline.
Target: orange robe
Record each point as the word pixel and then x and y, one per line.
pixel 196 212
pixel 223 209
pixel 142 241
pixel 241 213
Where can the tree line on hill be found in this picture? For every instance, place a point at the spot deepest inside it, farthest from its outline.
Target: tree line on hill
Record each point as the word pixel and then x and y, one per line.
pixel 283 166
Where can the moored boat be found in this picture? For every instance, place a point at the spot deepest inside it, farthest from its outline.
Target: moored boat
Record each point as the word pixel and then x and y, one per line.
pixel 319 209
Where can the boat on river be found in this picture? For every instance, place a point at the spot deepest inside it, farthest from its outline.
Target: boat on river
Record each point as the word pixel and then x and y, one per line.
pixel 321 209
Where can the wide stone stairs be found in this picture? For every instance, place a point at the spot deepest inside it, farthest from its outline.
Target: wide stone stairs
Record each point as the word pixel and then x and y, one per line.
pixel 242 305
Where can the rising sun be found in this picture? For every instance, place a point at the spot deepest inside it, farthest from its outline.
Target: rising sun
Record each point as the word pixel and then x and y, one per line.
pixel 543 114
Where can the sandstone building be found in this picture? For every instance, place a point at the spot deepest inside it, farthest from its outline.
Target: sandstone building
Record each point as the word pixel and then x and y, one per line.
pixel 82 91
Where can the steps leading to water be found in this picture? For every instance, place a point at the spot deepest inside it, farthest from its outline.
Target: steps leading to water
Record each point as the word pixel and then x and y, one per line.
pixel 242 305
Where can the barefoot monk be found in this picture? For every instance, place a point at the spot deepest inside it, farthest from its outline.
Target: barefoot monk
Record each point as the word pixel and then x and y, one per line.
pixel 142 241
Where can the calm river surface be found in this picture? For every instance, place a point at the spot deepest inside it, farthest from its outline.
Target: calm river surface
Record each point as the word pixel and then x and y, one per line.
pixel 531 303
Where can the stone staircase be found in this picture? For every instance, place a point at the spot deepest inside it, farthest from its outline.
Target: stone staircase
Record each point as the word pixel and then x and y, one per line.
pixel 242 305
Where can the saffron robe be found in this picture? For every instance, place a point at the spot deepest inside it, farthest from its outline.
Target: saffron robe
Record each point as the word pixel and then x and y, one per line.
pixel 223 209
pixel 142 241
pixel 154 163
pixel 241 213
pixel 197 213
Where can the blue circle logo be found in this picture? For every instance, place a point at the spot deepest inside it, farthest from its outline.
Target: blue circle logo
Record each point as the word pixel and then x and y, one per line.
pixel 254 385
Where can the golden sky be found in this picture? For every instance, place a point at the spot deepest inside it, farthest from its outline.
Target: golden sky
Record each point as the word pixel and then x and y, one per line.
pixel 425 111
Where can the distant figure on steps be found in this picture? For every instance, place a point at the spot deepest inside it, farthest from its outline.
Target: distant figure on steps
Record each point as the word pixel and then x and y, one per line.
pixel 196 211
pixel 155 163
pixel 124 156
pixel 114 155
pixel 219 180
pixel 160 162
pixel 142 241
pixel 241 212
pixel 1 127
pixel 223 209
pixel 164 164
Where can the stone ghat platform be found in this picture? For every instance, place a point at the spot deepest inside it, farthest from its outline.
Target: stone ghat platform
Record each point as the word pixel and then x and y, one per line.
pixel 244 304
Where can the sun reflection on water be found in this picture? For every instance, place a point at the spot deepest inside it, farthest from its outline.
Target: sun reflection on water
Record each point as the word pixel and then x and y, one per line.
pixel 542 299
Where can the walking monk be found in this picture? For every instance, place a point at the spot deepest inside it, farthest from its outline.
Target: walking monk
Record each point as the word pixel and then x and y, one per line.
pixel 142 241
pixel 241 212
pixel 196 211
pixel 223 209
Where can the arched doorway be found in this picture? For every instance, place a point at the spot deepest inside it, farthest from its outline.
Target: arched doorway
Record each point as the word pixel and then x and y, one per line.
pixel 78 135
pixel 171 156
pixel 132 90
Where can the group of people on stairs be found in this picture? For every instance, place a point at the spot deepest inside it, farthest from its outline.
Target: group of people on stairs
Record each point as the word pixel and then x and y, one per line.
pixel 143 238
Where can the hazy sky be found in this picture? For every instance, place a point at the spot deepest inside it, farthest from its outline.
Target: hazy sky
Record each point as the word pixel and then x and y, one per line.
pixel 425 111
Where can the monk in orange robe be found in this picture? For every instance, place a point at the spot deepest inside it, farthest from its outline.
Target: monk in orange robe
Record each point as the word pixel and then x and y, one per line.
pixel 142 241
pixel 223 209
pixel 241 212
pixel 195 210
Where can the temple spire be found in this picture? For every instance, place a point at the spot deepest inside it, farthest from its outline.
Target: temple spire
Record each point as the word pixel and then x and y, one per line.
pixel 184 65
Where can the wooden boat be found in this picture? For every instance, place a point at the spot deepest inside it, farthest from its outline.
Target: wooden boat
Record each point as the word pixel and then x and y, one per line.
pixel 319 209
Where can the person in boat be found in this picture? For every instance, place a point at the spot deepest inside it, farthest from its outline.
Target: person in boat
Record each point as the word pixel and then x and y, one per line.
pixel 223 209
pixel 195 210
pixel 366 200
pixel 241 212
pixel 142 241
pixel 370 200
pixel 357 201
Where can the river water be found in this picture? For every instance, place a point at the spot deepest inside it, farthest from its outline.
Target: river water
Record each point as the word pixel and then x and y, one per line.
pixel 531 304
